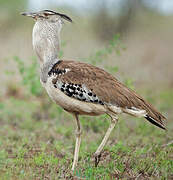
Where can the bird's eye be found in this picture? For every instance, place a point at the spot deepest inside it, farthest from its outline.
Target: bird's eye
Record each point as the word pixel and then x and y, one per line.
pixel 45 14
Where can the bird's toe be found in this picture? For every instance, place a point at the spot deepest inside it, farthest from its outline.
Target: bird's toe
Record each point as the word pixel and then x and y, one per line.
pixel 96 158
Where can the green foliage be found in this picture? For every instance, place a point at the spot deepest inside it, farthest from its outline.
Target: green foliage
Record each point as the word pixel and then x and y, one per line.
pixel 3 157
pixel 129 83
pixel 42 158
pixel 30 77
pixel 115 45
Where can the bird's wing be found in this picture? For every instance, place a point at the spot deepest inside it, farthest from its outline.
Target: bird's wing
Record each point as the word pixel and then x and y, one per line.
pixel 92 84
pixel 93 81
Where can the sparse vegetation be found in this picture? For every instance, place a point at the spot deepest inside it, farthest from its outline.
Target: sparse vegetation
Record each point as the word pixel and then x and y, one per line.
pixel 37 137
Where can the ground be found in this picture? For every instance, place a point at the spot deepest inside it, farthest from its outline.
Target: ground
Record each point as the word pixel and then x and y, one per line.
pixel 37 142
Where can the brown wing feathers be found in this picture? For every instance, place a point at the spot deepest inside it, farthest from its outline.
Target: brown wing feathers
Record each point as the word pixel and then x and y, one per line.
pixel 152 115
pixel 107 88
pixel 128 98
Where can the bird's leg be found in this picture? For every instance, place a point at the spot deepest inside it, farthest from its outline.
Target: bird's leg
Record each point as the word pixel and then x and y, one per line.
pixel 78 141
pixel 97 154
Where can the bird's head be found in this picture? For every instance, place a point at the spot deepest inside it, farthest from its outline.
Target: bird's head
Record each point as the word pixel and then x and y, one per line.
pixel 47 15
pixel 46 33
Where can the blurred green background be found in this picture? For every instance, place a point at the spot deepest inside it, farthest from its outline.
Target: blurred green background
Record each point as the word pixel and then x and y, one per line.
pixel 132 39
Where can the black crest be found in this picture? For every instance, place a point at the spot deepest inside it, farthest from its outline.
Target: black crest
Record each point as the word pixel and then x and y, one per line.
pixel 61 15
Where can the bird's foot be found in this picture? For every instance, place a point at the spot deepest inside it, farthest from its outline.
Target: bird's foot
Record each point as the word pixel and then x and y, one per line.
pixel 97 158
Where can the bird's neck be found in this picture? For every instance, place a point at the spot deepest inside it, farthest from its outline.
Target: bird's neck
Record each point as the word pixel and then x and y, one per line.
pixel 46 42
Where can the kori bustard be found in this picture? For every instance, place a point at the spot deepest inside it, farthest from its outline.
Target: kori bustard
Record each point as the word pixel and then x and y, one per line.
pixel 80 88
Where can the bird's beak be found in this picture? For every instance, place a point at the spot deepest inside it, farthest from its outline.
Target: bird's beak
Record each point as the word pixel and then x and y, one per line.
pixel 29 14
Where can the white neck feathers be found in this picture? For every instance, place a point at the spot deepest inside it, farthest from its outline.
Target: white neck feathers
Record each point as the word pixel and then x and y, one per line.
pixel 46 40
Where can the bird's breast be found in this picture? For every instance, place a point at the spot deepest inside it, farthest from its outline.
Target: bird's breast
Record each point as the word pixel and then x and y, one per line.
pixel 71 104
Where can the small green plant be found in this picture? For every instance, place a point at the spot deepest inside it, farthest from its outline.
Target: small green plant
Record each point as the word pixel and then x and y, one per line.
pixel 115 45
pixel 30 77
pixel 129 83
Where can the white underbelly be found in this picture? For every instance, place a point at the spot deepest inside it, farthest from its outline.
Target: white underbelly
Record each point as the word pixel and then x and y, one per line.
pixel 71 104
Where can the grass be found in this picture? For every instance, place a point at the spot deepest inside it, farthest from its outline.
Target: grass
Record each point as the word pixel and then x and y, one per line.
pixel 37 137
pixel 37 142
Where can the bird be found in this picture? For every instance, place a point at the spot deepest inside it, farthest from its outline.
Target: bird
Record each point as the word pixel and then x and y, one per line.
pixel 81 88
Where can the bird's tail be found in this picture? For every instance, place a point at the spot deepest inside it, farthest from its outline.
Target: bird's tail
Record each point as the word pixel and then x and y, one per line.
pixel 158 122
pixel 153 116
pixel 146 110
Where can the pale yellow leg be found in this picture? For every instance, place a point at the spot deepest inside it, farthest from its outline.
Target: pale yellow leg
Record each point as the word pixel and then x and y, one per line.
pixel 105 139
pixel 78 141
